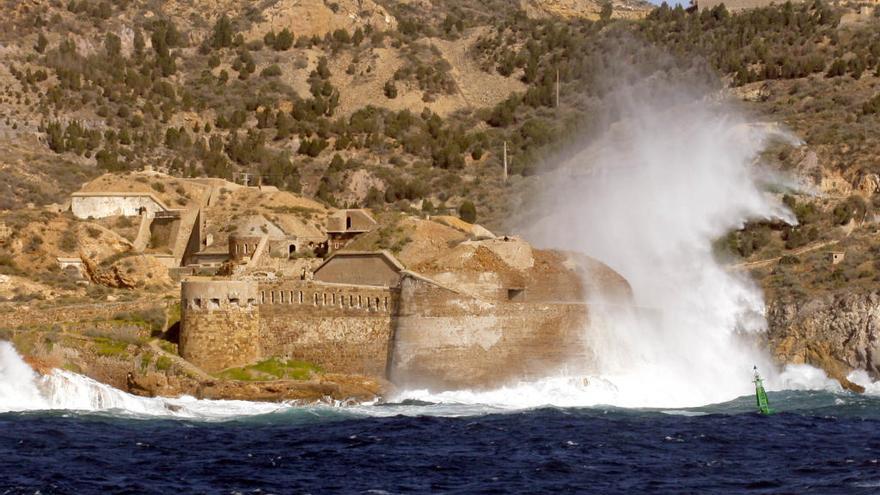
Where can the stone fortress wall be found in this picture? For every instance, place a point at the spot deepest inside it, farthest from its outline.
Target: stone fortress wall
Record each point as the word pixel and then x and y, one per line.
pixel 417 334
pixel 342 328
pixel 219 323
pixel 446 339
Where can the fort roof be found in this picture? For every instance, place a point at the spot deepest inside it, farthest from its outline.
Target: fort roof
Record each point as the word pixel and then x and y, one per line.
pixel 350 221
pixel 376 268
pixel 347 254
pixel 258 225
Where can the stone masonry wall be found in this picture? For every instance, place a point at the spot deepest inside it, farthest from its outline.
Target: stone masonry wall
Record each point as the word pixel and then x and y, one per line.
pixel 419 335
pixel 218 339
pixel 96 206
pixel 445 339
pixel 342 328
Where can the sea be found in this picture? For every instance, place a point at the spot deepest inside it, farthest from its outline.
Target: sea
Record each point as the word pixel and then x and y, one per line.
pixel 66 434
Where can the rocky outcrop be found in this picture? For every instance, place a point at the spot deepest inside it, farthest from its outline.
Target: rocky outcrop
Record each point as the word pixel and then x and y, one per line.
pixel 110 277
pixel 836 332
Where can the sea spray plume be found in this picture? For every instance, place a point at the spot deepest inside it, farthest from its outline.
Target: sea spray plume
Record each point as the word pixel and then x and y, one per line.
pixel 18 382
pixel 649 197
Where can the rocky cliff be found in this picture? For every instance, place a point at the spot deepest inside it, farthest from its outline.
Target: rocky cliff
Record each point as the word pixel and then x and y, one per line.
pixel 836 332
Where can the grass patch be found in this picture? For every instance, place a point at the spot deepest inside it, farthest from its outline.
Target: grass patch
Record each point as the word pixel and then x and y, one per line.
pixel 152 318
pixel 168 347
pixel 146 359
pixel 110 348
pixel 272 369
pixel 163 363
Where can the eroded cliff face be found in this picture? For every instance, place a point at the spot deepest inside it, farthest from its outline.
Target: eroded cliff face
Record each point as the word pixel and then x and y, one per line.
pixel 836 332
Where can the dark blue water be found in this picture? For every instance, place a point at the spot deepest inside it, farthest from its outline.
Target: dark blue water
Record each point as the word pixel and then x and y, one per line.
pixel 823 444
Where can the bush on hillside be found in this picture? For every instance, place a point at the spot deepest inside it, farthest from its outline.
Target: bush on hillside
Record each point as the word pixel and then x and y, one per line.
pixel 468 212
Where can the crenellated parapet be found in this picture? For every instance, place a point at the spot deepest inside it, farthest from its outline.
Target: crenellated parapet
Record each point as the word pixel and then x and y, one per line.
pixel 326 299
pixel 208 295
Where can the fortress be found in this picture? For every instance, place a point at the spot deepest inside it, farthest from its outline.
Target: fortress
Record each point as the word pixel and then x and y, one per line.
pixel 269 274
pixel 364 313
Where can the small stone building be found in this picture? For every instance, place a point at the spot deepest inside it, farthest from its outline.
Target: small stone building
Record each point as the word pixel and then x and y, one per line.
pixel 835 257
pixel 360 268
pixel 246 238
pixel 345 225
pixel 72 267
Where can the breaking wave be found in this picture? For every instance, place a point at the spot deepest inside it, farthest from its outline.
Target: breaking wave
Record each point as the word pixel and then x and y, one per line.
pixel 23 390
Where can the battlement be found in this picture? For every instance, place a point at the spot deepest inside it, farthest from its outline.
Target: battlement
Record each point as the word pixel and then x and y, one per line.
pixel 227 323
pixel 211 295
pixel 328 299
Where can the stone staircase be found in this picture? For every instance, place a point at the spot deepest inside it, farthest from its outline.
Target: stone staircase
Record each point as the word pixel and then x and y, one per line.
pixel 258 253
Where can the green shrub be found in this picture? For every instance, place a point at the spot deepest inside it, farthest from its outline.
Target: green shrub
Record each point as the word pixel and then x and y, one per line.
pixel 272 369
pixel 872 106
pixel 271 71
pixel 468 212
pixel 110 348
pixel 390 89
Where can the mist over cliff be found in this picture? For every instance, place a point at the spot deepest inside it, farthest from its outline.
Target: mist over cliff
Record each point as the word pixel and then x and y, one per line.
pixel 675 170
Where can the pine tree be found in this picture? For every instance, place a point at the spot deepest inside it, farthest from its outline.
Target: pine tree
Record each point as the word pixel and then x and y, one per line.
pixel 283 40
pixel 467 212
pixel 221 36
pixel 42 42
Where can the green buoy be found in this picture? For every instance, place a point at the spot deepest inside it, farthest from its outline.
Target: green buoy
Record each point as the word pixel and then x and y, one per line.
pixel 761 395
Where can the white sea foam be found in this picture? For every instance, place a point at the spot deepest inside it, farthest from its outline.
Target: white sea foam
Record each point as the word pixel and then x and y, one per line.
pixel 860 377
pixel 22 389
pixel 804 377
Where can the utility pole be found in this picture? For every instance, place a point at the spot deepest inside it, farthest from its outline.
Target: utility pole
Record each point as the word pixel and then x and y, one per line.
pixel 557 88
pixel 505 162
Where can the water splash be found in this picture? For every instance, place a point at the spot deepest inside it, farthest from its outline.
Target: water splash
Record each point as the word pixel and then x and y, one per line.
pixel 649 198
pixel 18 382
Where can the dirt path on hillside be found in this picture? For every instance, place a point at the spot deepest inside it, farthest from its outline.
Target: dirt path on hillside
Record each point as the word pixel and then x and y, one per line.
pixel 769 261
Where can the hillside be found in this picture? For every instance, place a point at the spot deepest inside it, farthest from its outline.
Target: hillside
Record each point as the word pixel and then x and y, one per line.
pixel 406 106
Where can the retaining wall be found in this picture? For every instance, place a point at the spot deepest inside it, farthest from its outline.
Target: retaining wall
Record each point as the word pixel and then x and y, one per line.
pixel 85 205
